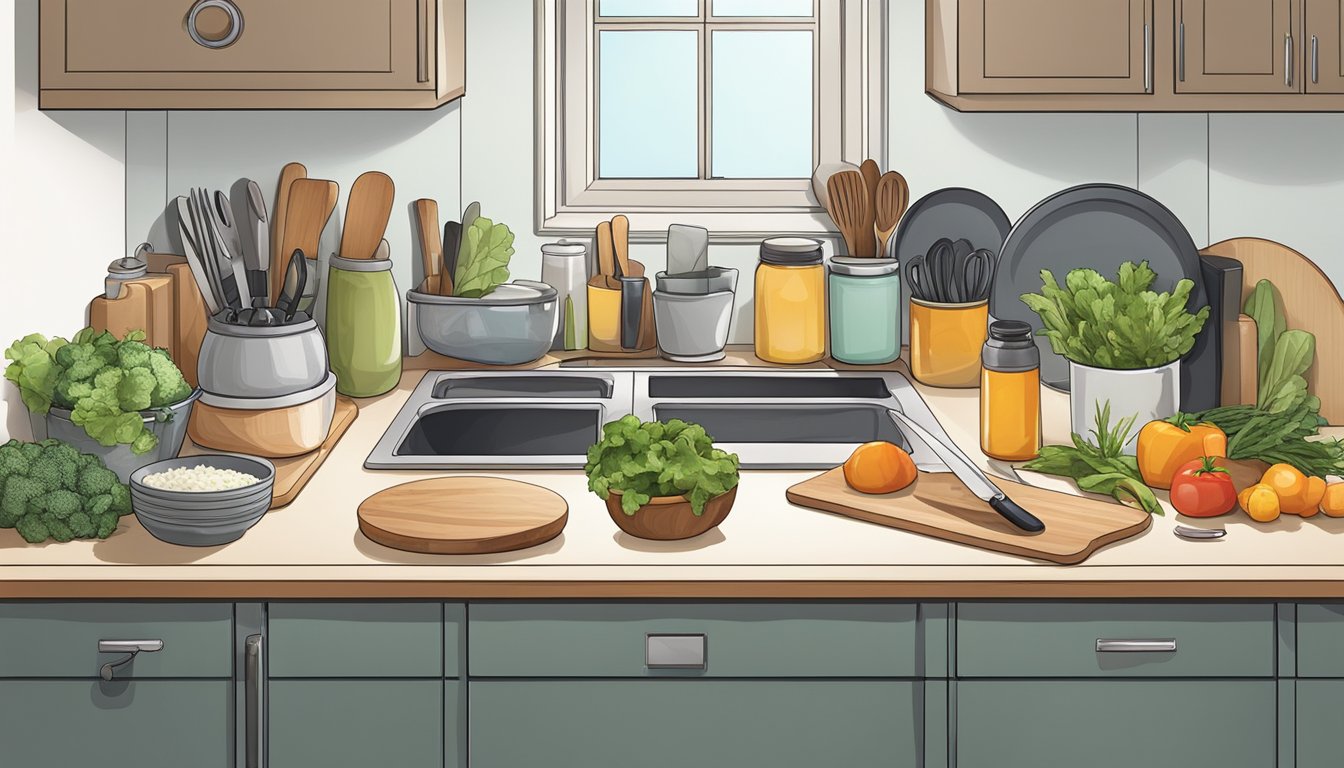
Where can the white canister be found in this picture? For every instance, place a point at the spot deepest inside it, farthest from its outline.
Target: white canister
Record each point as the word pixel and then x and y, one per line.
pixel 564 267
pixel 1147 394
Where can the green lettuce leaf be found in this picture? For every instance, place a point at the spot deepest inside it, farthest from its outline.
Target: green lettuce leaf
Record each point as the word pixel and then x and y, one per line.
pixel 483 263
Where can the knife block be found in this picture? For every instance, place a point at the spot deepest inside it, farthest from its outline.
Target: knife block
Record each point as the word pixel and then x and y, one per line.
pixel 604 314
pixel 165 304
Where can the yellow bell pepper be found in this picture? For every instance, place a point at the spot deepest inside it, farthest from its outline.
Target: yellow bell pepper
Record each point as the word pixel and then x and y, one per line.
pixel 1166 445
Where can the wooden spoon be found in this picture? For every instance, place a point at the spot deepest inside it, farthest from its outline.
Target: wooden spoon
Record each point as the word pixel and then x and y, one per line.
pixel 871 176
pixel 620 242
pixel 288 175
pixel 889 206
pixel 848 203
pixel 606 249
pixel 311 202
pixel 366 214
pixel 431 245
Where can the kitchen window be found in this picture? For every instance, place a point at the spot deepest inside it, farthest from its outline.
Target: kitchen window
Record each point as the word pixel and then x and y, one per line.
pixel 708 112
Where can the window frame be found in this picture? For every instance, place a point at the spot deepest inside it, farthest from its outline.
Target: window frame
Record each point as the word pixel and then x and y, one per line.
pixel 849 94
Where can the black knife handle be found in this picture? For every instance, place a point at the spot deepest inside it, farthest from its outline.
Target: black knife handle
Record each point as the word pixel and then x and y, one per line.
pixel 1016 515
pixel 632 310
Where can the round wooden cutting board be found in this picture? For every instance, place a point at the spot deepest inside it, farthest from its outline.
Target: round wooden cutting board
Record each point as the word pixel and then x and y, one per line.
pixel 463 516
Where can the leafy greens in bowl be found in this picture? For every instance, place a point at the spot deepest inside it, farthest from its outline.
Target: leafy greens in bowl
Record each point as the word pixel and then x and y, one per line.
pixel 643 460
pixel 1118 325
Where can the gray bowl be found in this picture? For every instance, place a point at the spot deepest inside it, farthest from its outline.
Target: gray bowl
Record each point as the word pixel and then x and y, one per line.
pixel 202 518
pixel 57 425
pixel 513 325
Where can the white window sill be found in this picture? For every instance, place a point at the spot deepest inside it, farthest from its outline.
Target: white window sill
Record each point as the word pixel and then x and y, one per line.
pixel 723 226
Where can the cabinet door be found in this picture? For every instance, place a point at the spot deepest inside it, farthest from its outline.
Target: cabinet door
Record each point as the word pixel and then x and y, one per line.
pixel 357 723
pixel 1115 723
pixel 1320 742
pixel 119 724
pixel 1055 46
pixel 1325 46
pixel 1238 46
pixel 675 723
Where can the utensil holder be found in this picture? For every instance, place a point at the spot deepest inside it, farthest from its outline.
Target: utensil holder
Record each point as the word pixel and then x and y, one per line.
pixel 608 325
pixel 945 342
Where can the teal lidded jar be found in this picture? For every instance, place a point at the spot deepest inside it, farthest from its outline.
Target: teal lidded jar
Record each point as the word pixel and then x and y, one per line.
pixel 864 297
pixel 363 326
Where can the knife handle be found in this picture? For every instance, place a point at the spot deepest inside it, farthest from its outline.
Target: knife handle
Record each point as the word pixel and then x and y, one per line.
pixel 257 286
pixel 1016 515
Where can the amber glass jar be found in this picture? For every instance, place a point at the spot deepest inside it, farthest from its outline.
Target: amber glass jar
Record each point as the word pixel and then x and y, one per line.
pixel 1010 393
pixel 790 301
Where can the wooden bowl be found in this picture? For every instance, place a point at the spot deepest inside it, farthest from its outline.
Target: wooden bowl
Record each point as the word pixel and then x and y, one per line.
pixel 668 518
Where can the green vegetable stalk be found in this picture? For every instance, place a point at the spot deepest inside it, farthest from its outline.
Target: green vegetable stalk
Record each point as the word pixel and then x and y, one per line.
pixel 1100 467
pixel 105 383
pixel 50 490
pixel 1121 325
pixel 647 459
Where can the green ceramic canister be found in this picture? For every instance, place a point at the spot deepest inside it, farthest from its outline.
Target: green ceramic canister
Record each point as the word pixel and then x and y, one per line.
pixel 363 326
pixel 865 310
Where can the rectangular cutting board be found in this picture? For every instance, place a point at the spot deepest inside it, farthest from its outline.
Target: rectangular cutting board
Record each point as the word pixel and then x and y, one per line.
pixel 938 505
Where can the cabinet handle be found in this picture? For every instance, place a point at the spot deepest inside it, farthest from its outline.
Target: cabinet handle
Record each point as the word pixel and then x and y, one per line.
pixel 254 680
pixel 1315 60
pixel 212 39
pixel 1167 645
pixel 1181 58
pixel 1147 60
pixel 674 651
pixel 422 54
pixel 1288 59
pixel 130 647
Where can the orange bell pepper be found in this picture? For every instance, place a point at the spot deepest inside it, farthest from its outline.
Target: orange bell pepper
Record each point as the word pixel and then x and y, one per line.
pixel 1166 445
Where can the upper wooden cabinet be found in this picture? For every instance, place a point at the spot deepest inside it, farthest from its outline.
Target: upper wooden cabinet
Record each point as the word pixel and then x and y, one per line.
pixel 1135 55
pixel 1054 46
pixel 251 54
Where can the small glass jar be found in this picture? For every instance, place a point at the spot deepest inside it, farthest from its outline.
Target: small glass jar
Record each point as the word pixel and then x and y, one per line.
pixel 790 301
pixel 363 326
pixel 864 296
pixel 1010 393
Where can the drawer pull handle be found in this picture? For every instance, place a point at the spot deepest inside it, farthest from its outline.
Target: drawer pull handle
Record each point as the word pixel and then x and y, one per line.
pixel 214 23
pixel 129 647
pixel 254 678
pixel 1166 645
pixel 674 651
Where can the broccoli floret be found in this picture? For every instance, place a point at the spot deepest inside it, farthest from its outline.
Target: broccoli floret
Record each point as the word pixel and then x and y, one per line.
pixel 30 451
pixel 106 524
pixel 94 481
pixel 18 492
pixel 100 504
pixel 133 354
pixel 170 388
pixel 70 391
pixel 82 361
pixel 121 499
pixel 62 504
pixel 37 505
pixel 54 470
pixel 12 460
pixel 81 525
pixel 58 528
pixel 32 529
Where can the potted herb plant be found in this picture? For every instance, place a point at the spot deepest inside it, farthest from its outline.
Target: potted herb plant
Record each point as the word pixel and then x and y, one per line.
pixel 662 481
pixel 1123 341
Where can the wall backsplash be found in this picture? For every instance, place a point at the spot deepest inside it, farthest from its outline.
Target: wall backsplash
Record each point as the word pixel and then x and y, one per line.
pixel 1224 175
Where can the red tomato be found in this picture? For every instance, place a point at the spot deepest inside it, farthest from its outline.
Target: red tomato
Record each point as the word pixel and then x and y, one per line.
pixel 1203 488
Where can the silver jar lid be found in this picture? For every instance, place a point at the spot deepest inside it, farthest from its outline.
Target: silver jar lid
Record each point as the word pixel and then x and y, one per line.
pixel 564 248
pixel 859 267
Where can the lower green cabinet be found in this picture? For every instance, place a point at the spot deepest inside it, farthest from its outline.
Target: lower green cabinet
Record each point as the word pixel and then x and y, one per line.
pixel 117 724
pixel 674 723
pixel 1116 723
pixel 1320 740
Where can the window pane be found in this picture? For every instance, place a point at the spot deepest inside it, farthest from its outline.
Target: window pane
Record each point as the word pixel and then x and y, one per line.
pixel 647 97
pixel 762 7
pixel 649 7
pixel 762 124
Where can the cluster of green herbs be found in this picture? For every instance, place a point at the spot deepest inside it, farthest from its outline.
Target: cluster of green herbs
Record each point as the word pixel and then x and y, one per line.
pixel 1120 325
pixel 104 381
pixel 1276 428
pixel 50 490
pixel 642 460
pixel 1100 467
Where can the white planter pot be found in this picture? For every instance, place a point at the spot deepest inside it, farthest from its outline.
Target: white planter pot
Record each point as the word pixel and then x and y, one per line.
pixel 1146 393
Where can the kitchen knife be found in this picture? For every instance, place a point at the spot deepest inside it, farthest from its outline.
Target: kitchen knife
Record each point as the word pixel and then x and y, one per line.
pixel 970 475
pixel 258 257
pixel 232 241
pixel 452 241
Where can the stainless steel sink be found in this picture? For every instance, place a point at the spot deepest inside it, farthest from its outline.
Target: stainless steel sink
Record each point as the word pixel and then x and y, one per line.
pixel 770 419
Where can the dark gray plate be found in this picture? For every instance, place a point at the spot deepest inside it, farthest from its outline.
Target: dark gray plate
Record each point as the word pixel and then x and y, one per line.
pixel 954 213
pixel 1100 226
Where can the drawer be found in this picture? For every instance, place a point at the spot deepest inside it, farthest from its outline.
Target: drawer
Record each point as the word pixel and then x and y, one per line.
pixel 1320 640
pixel 1064 640
pixel 681 723
pixel 357 723
pixel 61 639
pixel 1115 723
pixel 121 723
pixel 362 639
pixel 1320 742
pixel 719 640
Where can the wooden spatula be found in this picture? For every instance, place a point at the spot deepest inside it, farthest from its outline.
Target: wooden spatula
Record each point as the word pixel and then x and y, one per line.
pixel 431 245
pixel 889 207
pixel 280 208
pixel 871 175
pixel 366 215
pixel 620 242
pixel 311 202
pixel 848 198
pixel 606 250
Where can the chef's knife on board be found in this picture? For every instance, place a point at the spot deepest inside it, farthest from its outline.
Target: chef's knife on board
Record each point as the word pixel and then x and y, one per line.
pixel 970 475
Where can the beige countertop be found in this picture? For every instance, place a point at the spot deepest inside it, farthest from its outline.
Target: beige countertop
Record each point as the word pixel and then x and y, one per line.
pixel 767 548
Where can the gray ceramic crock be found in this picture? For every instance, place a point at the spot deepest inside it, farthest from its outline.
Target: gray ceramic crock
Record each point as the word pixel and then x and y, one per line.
pixel 261 361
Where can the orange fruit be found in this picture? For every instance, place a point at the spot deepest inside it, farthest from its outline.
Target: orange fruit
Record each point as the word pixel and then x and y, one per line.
pixel 1332 501
pixel 879 467
pixel 1290 485
pixel 1261 503
pixel 1315 492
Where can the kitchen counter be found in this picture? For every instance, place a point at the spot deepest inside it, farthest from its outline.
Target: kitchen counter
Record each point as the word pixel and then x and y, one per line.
pixel 767 548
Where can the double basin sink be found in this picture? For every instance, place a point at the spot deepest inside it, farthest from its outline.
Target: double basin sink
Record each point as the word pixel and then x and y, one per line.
pixel 548 419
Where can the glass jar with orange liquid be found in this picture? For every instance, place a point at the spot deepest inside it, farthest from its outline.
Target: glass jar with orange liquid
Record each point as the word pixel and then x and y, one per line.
pixel 1010 393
